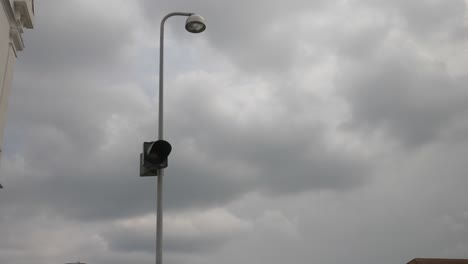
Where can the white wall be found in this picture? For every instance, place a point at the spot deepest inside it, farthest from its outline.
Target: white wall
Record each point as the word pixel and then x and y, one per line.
pixel 7 61
pixel 9 45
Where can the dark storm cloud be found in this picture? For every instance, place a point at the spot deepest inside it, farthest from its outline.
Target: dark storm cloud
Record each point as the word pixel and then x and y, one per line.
pixel 131 240
pixel 282 156
pixel 80 136
pixel 412 98
pixel 70 78
pixel 258 123
pixel 277 152
pixel 80 38
pixel 66 105
pixel 78 183
pixel 93 177
pixel 285 156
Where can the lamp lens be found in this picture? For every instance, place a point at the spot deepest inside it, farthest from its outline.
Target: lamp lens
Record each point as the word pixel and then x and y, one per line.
pixel 195 27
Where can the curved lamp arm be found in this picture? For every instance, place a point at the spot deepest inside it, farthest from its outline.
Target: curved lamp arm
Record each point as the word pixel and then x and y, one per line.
pixel 161 71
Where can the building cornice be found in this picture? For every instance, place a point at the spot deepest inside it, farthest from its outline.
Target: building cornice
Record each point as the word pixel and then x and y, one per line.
pixel 9 12
pixel 16 40
pixel 16 21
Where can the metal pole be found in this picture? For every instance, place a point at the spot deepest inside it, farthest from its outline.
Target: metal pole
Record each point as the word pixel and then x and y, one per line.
pixel 159 212
pixel 159 220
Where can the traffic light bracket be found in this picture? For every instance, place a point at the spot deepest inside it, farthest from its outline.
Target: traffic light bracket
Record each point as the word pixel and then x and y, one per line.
pixel 154 157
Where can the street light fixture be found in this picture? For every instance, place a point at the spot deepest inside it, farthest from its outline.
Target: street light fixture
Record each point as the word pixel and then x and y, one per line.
pixel 195 24
pixel 153 160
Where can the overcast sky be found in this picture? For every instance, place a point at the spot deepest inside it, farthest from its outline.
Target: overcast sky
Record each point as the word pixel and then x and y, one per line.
pixel 326 131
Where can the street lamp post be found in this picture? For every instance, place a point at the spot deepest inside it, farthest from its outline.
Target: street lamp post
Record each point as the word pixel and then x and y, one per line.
pixel 153 160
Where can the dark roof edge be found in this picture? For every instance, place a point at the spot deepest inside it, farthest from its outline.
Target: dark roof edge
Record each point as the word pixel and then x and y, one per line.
pixel 433 260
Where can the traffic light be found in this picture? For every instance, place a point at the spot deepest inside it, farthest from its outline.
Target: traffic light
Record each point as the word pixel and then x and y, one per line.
pixel 154 157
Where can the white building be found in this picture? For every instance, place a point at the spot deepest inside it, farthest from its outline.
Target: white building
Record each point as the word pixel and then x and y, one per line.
pixel 15 15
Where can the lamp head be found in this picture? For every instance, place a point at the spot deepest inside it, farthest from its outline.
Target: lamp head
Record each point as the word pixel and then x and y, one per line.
pixel 195 24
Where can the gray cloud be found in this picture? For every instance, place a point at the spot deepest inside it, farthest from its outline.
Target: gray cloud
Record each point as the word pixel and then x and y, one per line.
pixel 258 36
pixel 192 233
pixel 129 240
pixel 272 113
pixel 90 169
pixel 426 18
pixel 412 98
pixel 79 176
pixel 71 45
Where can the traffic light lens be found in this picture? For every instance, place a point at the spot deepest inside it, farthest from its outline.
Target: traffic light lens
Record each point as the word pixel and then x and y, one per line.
pixel 161 148
pixel 156 152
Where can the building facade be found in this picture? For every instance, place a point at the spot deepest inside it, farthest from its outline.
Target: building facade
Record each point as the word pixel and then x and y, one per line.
pixel 15 15
pixel 438 261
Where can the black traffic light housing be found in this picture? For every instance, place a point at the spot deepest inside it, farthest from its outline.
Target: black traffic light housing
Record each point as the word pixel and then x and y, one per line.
pixel 154 157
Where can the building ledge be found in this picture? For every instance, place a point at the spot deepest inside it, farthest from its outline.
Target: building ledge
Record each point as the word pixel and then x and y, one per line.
pixel 20 15
pixel 16 39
